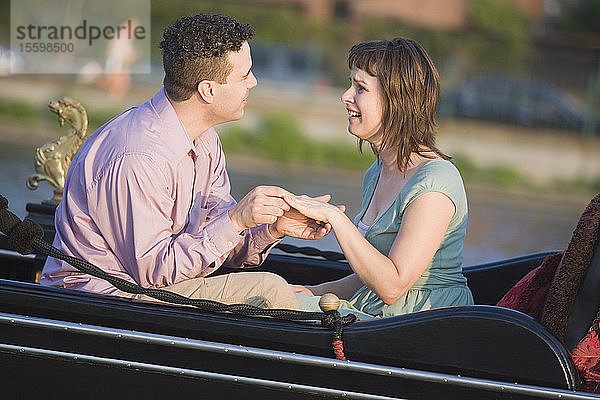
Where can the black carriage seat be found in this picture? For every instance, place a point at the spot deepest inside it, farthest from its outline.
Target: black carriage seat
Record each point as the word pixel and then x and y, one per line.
pixel 587 303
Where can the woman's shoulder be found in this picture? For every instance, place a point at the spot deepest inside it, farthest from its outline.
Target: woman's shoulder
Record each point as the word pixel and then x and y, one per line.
pixel 439 167
pixel 440 176
pixel 438 172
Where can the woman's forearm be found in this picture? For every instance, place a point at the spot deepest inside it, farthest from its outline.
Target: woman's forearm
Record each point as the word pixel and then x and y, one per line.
pixel 373 268
pixel 344 288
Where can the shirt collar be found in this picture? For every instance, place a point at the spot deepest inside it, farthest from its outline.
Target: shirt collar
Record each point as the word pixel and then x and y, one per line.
pixel 178 138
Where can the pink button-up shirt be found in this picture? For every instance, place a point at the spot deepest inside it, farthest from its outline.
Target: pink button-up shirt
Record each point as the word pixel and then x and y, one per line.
pixel 146 204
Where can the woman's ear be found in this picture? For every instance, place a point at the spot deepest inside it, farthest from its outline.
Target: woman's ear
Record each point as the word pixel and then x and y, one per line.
pixel 206 92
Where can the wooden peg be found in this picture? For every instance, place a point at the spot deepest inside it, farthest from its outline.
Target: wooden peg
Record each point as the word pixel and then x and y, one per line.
pixel 329 301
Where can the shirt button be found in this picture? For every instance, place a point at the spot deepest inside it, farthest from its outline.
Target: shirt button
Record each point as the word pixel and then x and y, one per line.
pixel 230 243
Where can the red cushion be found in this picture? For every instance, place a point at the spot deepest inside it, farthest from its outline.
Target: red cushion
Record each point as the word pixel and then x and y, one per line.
pixel 529 294
pixel 586 357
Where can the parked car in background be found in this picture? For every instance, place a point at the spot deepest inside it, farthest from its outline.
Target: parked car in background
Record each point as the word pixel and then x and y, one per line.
pixel 519 101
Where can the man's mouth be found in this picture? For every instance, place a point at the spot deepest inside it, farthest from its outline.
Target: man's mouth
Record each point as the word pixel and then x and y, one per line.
pixel 353 114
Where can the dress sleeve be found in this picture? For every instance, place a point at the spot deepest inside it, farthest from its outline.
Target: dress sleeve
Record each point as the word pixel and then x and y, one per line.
pixel 442 177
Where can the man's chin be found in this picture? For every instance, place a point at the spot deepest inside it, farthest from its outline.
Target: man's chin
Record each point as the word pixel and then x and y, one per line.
pixel 238 117
pixel 233 118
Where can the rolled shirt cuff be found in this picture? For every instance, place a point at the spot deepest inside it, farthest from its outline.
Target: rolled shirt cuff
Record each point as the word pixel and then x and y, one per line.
pixel 262 239
pixel 222 234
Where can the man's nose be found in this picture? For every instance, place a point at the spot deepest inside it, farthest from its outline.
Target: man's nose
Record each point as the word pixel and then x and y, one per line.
pixel 253 81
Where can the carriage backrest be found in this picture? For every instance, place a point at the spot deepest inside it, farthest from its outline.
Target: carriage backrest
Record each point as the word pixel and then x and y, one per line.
pixel 587 303
pixel 573 276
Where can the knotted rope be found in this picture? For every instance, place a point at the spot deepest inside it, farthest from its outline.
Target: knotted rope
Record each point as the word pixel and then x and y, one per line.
pixel 26 237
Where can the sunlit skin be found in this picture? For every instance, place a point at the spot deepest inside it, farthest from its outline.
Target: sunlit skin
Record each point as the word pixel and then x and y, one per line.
pixel 363 104
pixel 424 221
pixel 231 97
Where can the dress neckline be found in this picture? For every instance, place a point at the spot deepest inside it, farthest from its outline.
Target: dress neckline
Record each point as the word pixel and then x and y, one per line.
pixel 392 204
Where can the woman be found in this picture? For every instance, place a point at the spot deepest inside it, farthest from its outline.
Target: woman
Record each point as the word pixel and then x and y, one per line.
pixel 406 246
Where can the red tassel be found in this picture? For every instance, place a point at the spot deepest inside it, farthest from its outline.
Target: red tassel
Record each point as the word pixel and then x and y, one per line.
pixel 338 349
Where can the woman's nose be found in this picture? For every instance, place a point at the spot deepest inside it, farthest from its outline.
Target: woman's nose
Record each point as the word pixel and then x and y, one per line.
pixel 347 96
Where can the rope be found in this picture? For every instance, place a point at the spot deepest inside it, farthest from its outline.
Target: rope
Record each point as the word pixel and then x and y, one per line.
pixel 337 343
pixel 26 237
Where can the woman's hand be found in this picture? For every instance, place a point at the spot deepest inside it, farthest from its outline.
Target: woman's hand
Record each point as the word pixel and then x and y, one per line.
pixel 314 208
pixel 294 223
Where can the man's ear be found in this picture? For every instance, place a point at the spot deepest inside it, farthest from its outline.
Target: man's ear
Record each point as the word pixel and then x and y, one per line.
pixel 206 91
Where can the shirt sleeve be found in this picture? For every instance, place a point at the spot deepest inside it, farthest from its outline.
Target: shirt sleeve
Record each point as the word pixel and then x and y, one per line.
pixel 132 207
pixel 253 244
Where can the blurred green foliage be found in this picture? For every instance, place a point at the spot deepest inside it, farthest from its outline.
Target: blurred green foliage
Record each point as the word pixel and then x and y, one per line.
pixel 25 113
pixel 4 21
pixel 18 110
pixel 280 138
pixel 275 23
pixel 496 37
pixel 579 185
pixel 99 118
pixel 500 176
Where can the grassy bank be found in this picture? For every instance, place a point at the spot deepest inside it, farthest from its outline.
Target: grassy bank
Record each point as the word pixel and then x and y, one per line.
pixel 26 114
pixel 279 137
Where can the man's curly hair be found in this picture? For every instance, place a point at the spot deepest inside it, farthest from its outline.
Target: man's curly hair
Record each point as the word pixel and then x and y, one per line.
pixel 196 49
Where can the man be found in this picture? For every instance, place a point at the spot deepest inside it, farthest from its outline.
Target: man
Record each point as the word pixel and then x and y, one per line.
pixel 147 196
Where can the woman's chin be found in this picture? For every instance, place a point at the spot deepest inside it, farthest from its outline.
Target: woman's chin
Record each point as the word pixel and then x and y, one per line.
pixel 352 132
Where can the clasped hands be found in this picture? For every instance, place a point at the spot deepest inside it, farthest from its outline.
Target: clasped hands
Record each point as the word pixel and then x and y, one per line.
pixel 302 217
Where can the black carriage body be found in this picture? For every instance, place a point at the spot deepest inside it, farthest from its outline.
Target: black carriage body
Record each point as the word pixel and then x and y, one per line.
pixel 76 344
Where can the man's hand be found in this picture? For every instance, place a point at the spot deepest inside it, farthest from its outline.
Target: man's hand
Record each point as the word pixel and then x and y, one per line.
pixel 262 205
pixel 293 223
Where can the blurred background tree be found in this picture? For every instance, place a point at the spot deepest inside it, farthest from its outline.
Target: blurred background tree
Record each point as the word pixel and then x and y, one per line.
pixel 304 43
pixel 582 16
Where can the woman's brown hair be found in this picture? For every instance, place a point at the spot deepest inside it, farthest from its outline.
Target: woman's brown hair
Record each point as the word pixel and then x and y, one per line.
pixel 411 90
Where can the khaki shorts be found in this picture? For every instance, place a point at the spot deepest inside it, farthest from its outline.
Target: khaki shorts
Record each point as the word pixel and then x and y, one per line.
pixel 262 289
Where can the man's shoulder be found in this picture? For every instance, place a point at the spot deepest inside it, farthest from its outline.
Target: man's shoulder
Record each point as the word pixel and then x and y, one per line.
pixel 136 130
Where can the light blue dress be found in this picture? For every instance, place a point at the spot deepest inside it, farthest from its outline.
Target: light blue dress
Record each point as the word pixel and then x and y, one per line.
pixel 442 284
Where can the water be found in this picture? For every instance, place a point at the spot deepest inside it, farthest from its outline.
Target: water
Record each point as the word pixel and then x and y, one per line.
pixel 501 225
pixel 16 165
